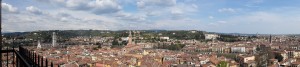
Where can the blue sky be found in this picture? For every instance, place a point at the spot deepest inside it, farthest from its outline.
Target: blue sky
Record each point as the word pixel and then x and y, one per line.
pixel 227 16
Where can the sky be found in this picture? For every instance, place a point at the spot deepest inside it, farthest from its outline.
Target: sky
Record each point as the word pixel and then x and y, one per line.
pixel 226 16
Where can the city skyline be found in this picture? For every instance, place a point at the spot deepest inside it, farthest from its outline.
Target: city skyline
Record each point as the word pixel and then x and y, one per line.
pixel 226 16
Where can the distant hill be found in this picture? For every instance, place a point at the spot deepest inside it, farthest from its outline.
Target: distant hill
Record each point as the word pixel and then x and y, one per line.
pixel 178 34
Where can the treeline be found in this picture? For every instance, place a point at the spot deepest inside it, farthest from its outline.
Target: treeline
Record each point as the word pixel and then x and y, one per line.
pixel 64 35
pixel 228 38
pixel 118 43
pixel 169 47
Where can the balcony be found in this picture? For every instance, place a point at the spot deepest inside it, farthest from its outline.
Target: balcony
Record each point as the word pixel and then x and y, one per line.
pixel 21 57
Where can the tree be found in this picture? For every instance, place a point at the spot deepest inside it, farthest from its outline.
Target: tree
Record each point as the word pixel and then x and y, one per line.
pixel 99 46
pixel 175 46
pixel 228 38
pixel 95 48
pixel 124 43
pixel 278 57
pixel 199 36
pixel 223 64
pixel 115 42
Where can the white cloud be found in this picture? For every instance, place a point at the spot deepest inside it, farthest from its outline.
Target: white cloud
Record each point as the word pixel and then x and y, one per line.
pixel 59 1
pixel 182 10
pixel 76 4
pixel 259 17
pixel 222 21
pixel 105 6
pixel 211 17
pixel 178 24
pixel 8 8
pixel 261 22
pixel 161 3
pixel 257 1
pixel 58 21
pixel 217 23
pixel 157 7
pixel 70 4
pixel 230 10
pixel 137 17
pixel 176 11
pixel 168 8
pixel 94 6
pixel 35 10
pixel 167 11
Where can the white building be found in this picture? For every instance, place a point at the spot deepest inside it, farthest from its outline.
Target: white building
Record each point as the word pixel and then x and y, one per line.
pixel 124 38
pixel 165 38
pixel 211 36
pixel 238 49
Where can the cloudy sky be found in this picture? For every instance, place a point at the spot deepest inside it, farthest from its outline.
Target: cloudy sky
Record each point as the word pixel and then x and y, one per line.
pixel 228 16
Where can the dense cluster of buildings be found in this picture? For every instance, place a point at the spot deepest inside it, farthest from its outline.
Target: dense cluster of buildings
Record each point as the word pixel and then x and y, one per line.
pixel 273 51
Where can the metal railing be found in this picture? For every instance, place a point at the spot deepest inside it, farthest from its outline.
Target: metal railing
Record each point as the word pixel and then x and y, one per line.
pixel 22 57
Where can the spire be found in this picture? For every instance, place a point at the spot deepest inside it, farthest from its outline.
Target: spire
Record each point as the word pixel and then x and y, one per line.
pixel 39 45
pixel 129 39
pixel 90 39
pixel 270 39
pixel 129 34
pixel 133 37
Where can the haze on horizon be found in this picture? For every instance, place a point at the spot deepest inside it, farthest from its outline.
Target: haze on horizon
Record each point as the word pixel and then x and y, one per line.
pixel 226 16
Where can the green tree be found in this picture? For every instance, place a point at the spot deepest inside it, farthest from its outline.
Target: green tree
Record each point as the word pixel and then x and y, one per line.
pixel 124 43
pixel 228 38
pixel 115 42
pixel 223 64
pixel 175 46
pixel 279 57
